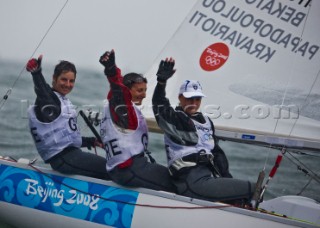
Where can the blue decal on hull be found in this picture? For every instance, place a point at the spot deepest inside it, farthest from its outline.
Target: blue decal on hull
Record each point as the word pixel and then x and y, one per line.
pixel 251 137
pixel 66 196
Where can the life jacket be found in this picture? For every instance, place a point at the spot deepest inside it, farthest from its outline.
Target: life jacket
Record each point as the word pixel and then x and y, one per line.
pixel 51 138
pixel 122 144
pixel 176 152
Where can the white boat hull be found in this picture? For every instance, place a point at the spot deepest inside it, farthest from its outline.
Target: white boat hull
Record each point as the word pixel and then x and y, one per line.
pixel 49 204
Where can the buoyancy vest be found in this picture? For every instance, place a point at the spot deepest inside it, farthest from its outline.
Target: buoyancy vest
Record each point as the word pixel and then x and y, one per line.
pixel 204 145
pixel 51 138
pixel 122 145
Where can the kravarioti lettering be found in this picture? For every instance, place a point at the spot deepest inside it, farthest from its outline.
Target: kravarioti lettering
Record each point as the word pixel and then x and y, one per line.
pixel 249 28
pixel 233 37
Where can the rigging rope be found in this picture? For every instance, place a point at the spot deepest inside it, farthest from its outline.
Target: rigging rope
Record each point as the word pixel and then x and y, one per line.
pixel 301 107
pixel 305 101
pixel 6 96
pixel 313 84
pixel 302 167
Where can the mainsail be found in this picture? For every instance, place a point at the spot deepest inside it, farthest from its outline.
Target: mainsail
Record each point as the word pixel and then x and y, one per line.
pixel 258 64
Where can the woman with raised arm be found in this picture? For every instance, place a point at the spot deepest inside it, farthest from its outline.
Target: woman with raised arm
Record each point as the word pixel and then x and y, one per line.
pixel 198 166
pixel 125 133
pixel 53 124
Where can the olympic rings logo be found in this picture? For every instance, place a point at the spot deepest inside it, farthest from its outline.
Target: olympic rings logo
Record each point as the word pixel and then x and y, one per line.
pixel 212 61
pixel 214 56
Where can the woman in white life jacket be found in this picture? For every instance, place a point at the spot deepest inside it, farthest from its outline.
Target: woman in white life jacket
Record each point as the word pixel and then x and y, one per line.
pixel 124 131
pixel 53 124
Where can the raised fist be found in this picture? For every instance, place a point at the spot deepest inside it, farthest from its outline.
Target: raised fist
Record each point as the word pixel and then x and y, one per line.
pixel 34 65
pixel 109 62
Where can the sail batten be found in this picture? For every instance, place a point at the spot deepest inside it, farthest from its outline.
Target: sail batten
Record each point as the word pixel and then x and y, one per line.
pixel 254 137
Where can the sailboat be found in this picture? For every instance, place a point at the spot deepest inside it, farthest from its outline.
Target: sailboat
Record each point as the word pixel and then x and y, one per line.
pixel 258 63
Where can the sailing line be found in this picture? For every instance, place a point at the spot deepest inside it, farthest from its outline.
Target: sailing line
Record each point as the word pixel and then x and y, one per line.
pixel 284 150
pixel 5 97
pixel 304 105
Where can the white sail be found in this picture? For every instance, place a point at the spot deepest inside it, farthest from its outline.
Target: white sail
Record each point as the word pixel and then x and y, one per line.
pixel 258 63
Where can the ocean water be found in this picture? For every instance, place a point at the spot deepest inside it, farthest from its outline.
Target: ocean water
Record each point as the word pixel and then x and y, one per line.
pixel 246 161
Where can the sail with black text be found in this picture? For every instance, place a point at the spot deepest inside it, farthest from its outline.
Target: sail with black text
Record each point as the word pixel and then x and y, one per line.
pixel 258 62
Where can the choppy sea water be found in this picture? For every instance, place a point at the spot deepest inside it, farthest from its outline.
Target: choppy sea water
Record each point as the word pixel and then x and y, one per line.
pixel 246 161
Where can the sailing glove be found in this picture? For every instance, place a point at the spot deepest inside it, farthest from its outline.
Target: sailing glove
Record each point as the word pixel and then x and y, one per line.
pixel 165 70
pixel 34 65
pixel 108 61
pixel 88 142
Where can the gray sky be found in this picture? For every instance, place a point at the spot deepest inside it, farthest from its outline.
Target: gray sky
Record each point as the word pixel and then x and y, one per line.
pixel 136 29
